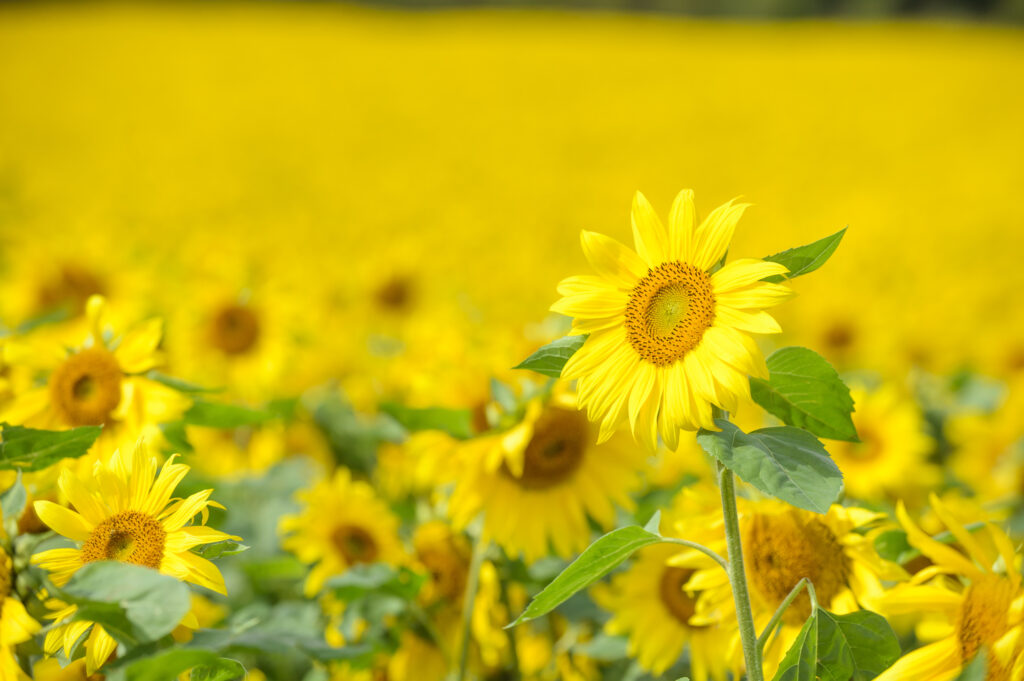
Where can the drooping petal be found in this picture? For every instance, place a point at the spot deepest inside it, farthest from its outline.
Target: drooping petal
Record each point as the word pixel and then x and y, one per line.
pixel 758 297
pixel 752 322
pixel 740 273
pixel 98 649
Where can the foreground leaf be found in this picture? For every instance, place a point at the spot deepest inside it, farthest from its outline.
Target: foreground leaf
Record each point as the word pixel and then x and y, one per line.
pixel 169 664
pixel 134 604
pixel 28 449
pixel 456 422
pixel 806 392
pixel 550 359
pixel 595 562
pixel 805 259
pixel 785 462
pixel 801 660
pixel 855 647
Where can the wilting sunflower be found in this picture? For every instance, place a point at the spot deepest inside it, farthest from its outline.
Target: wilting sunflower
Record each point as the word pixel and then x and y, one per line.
pixel 342 523
pixel 650 604
pixel 781 546
pixel 972 593
pixel 538 481
pixel 16 625
pixel 669 335
pixel 124 511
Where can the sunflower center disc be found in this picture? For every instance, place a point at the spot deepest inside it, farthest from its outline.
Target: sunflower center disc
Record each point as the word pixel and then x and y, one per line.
pixel 235 329
pixel 556 449
pixel 86 387
pixel 982 619
pixel 678 602
pixel 355 544
pixel 668 312
pixel 130 537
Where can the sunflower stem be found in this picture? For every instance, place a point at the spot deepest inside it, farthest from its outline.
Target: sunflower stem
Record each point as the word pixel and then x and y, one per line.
pixel 737 573
pixel 468 600
pixel 762 640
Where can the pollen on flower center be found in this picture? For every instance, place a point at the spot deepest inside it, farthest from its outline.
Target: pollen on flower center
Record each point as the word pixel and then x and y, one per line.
pixel 130 537
pixel 86 387
pixel 784 548
pixel 982 619
pixel 235 329
pixel 355 544
pixel 556 449
pixel 668 312
pixel 678 602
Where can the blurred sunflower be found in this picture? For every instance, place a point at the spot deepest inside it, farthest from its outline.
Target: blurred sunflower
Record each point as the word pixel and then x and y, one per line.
pixel 16 625
pixel 124 511
pixel 651 604
pixel 892 443
pixel 781 546
pixel 972 592
pixel 988 448
pixel 342 523
pixel 538 481
pixel 669 336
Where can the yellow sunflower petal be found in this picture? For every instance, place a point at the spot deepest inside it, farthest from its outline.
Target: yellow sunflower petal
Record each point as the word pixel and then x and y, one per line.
pixel 681 224
pixel 98 649
pixel 714 234
pixel 613 261
pixel 937 551
pixel 740 273
pixel 648 233
pixel 137 351
pixel 63 521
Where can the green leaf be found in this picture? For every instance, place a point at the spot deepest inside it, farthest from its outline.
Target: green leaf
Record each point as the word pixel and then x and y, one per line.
pixel 168 664
pixel 177 438
pixel 28 449
pixel 595 562
pixel 456 422
pixel 134 604
pixel 220 549
pixel 604 648
pixel 801 660
pixel 976 669
pixel 892 545
pixel 503 396
pixel 377 578
pixel 785 462
pixel 178 384
pixel 805 259
pixel 854 647
pixel 218 415
pixel 806 392
pixel 13 501
pixel 550 359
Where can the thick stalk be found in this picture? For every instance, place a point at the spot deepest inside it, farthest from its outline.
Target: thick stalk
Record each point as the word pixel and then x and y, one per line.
pixel 738 575
pixel 472 585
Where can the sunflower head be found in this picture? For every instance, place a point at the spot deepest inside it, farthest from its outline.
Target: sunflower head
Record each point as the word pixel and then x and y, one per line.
pixel 669 324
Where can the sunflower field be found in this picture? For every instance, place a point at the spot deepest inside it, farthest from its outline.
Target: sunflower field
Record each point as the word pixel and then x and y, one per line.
pixel 348 343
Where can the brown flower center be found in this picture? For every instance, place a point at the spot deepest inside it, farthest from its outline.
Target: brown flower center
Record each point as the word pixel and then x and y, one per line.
pixel 982 621
pixel 560 438
pixel 678 602
pixel 668 312
pixel 235 329
pixel 86 387
pixel 355 544
pixel 396 294
pixel 448 565
pixel 784 548
pixel 130 537
pixel 70 288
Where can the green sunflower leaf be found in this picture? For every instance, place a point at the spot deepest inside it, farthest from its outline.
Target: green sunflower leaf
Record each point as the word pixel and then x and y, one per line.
pixel 595 562
pixel 801 660
pixel 376 579
pixel 134 604
pixel 976 669
pixel 550 359
pixel 179 384
pixel 855 647
pixel 169 664
pixel 784 462
pixel 456 422
pixel 28 449
pixel 220 415
pixel 805 391
pixel 805 259
pixel 220 549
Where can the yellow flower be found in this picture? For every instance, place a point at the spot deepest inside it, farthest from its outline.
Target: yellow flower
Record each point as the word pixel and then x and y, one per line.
pixel 650 604
pixel 891 458
pixel 16 625
pixel 124 511
pixel 537 482
pixel 972 593
pixel 669 335
pixel 987 453
pixel 343 523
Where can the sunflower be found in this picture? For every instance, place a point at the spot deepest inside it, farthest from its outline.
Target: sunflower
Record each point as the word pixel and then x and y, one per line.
pixel 988 451
pixel 124 511
pixel 892 443
pixel 100 382
pixel 973 597
pixel 342 523
pixel 650 605
pixel 538 481
pixel 16 625
pixel 781 546
pixel 669 336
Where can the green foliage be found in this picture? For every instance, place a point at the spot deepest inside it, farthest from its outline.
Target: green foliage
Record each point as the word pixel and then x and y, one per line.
pixel 806 392
pixel 28 449
pixel 219 415
pixel 178 384
pixel 595 562
pixel 220 549
pixel 854 647
pixel 354 438
pixel 134 604
pixel 976 669
pixel 784 462
pixel 805 259
pixel 456 422
pixel 361 581
pixel 550 359
pixel 892 545
pixel 12 502
pixel 168 664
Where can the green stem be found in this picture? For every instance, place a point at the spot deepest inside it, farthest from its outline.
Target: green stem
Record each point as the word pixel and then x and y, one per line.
pixel 472 585
pixel 699 547
pixel 762 640
pixel 738 575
